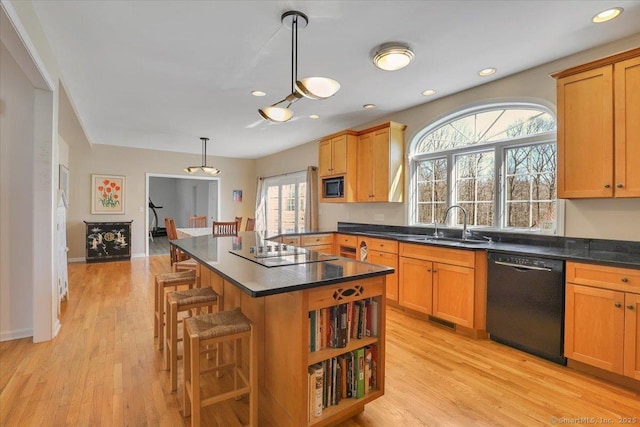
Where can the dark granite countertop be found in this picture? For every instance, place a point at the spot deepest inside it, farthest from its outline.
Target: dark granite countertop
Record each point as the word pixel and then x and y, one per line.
pixel 259 281
pixel 597 251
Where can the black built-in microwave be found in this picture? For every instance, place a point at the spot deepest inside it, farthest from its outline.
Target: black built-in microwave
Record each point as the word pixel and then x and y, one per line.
pixel 333 187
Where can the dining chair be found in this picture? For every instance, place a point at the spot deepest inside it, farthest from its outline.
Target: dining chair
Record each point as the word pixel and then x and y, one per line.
pixel 197 221
pixel 250 225
pixel 225 228
pixel 176 255
pixel 239 221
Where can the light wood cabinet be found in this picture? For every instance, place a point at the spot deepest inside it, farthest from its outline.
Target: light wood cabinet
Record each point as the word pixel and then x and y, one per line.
pixel 318 242
pixel 416 284
pixel 380 166
pixel 601 317
pixel 453 293
pixel 455 280
pixel 337 158
pixel 598 129
pixel 346 246
pixel 383 252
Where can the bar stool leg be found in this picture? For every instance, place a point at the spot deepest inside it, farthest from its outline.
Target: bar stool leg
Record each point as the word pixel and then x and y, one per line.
pixel 171 354
pixel 253 379
pixel 195 382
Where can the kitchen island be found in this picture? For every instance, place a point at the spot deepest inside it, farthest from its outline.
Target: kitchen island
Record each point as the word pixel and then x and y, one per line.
pixel 283 289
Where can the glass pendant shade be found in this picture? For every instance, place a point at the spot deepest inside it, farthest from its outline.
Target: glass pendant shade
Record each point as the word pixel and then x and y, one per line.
pixel 317 87
pixel 204 167
pixel 276 114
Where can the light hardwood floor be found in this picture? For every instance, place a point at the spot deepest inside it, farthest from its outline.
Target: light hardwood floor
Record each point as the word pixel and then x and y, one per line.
pixel 104 369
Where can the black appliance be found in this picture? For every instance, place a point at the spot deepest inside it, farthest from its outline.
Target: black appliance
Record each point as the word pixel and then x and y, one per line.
pixel 333 187
pixel 525 304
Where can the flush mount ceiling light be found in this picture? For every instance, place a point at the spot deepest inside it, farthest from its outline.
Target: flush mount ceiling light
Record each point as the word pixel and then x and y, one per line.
pixel 369 106
pixel 310 87
pixel 258 93
pixel 428 92
pixel 392 56
pixel 607 15
pixel 204 167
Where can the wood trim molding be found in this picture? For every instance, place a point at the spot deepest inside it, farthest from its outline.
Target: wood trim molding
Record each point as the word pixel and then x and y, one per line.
pixel 622 56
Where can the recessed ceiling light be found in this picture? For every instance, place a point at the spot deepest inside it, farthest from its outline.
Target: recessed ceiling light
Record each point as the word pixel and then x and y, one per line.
pixel 486 72
pixel 369 106
pixel 314 116
pixel 607 15
pixel 428 92
pixel 392 56
pixel 258 93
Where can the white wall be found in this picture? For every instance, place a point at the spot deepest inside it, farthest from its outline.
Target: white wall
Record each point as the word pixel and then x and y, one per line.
pixel 604 219
pixel 17 105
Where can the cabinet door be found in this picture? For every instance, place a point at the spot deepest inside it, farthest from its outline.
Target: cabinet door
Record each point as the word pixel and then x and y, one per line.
pixel 453 292
pixel 416 285
pixel 585 134
pixel 632 336
pixel 324 161
pixel 627 127
pixel 339 154
pixel 364 183
pixel 594 327
pixel 389 260
pixel 380 169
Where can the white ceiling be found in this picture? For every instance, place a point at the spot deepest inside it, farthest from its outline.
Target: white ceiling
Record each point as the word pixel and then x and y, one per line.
pixel 161 74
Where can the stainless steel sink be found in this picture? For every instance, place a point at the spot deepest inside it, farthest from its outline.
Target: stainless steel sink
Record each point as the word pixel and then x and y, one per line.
pixel 449 239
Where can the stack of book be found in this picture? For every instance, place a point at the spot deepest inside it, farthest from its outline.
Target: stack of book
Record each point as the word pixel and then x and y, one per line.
pixel 350 375
pixel 334 327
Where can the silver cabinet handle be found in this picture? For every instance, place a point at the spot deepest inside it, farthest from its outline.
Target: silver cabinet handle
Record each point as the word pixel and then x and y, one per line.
pixel 524 267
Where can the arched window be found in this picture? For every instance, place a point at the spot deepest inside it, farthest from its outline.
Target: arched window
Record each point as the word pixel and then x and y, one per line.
pixel 497 161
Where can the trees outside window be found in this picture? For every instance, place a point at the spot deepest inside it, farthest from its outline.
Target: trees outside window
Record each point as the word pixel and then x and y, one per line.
pixel 285 203
pixel 496 161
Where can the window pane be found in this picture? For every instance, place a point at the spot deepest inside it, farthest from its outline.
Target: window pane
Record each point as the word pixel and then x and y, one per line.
pixel 518 214
pixel 431 187
pixel 285 203
pixel 302 192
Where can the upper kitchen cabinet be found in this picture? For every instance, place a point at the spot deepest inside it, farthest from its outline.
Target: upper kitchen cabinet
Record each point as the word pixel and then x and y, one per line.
pixel 334 153
pixel 598 128
pixel 337 159
pixel 380 165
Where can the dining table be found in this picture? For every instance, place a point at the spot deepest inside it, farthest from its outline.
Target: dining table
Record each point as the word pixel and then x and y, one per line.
pixel 186 232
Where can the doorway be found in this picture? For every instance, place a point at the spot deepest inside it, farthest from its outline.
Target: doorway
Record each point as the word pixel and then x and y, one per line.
pixel 177 197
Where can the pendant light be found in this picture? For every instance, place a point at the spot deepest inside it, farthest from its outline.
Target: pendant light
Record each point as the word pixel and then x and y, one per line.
pixel 309 87
pixel 204 167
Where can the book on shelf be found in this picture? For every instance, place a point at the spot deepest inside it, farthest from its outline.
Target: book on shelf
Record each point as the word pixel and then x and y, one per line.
pixel 312 330
pixel 316 381
pixel 359 372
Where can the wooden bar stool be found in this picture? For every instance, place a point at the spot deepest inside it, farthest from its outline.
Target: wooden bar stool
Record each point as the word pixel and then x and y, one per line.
pixel 164 281
pixel 180 301
pixel 212 329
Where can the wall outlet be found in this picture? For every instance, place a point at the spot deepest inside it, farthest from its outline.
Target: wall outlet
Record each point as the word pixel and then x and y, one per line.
pixel 378 217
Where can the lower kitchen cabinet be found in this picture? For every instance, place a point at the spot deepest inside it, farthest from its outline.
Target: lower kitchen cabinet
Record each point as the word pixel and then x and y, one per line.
pixel 383 252
pixel 416 284
pixel 453 291
pixel 446 283
pixel 318 242
pixel 602 324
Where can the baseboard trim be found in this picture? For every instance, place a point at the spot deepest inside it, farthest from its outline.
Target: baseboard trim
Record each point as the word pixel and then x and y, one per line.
pixel 15 335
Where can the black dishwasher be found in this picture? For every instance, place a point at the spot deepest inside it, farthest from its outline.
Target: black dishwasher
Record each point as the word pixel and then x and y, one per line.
pixel 525 304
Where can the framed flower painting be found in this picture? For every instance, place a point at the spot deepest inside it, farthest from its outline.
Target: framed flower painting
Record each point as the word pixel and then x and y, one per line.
pixel 107 194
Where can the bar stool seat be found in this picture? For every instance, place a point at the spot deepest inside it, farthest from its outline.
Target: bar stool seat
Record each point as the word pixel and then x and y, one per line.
pixel 187 264
pixel 180 301
pixel 211 329
pixel 163 281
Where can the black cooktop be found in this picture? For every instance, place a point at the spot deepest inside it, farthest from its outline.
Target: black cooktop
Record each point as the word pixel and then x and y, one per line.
pixel 271 254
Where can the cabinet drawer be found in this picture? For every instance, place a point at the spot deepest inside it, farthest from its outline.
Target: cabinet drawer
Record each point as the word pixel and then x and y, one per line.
pixel 433 253
pixel 316 239
pixel 346 240
pixel 383 245
pixel 345 292
pixel 291 240
pixel 602 276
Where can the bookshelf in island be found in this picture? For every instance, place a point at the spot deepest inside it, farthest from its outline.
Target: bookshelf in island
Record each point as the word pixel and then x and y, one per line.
pixel 320 322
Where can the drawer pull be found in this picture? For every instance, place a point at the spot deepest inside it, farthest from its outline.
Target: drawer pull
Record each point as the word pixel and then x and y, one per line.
pixel 619 186
pixel 625 280
pixel 630 307
pixel 618 305
pixel 607 186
